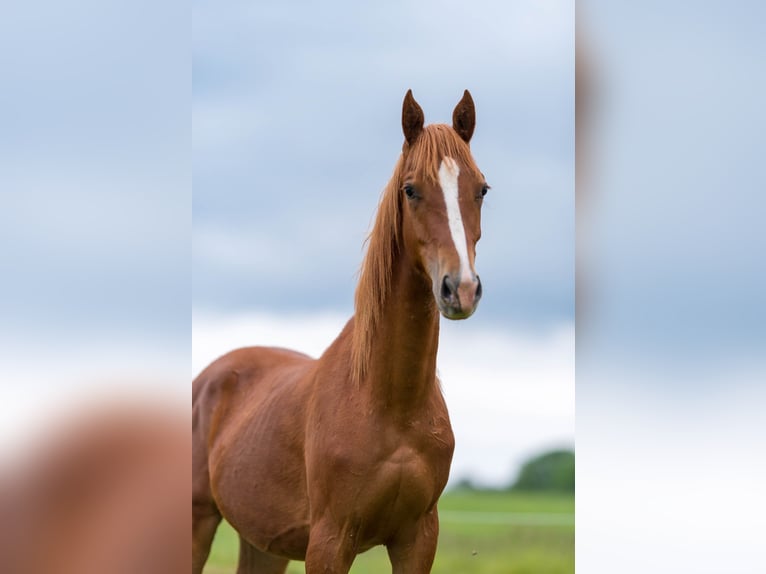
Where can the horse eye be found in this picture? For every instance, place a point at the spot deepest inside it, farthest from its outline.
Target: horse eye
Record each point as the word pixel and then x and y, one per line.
pixel 409 191
pixel 484 190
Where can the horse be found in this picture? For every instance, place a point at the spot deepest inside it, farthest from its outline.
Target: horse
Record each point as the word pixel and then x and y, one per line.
pixel 322 459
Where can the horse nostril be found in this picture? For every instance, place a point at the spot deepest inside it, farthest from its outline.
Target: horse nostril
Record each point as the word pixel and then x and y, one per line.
pixel 478 289
pixel 447 291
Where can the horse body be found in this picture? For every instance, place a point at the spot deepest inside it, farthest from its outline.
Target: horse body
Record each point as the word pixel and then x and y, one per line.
pixel 251 404
pixel 319 460
pixel 370 466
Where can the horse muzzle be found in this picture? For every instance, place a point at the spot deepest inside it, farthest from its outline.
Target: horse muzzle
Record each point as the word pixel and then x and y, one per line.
pixel 457 297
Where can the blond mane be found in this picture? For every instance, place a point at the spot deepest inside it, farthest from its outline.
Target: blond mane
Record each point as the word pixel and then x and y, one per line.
pixel 435 142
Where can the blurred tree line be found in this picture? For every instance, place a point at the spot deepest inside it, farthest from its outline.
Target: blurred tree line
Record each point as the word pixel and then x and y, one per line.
pixel 552 471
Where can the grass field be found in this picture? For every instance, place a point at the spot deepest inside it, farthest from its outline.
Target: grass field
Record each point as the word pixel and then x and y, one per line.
pixel 481 532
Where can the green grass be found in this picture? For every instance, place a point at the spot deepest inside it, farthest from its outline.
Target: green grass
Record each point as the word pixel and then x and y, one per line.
pixel 529 533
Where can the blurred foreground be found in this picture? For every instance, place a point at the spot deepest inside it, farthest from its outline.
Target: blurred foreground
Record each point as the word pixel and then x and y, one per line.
pixel 104 492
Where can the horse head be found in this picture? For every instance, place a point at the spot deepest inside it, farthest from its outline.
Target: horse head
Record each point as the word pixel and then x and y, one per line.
pixel 442 194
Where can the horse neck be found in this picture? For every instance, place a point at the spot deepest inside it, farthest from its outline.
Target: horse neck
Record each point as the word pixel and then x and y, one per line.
pixel 402 367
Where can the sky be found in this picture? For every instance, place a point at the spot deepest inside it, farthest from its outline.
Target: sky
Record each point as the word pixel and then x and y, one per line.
pixel 96 215
pixel 671 326
pixel 297 127
pixel 672 229
pixel 296 130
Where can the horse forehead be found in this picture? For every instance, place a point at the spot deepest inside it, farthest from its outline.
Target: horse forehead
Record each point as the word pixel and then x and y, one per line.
pixel 449 178
pixel 449 170
pixel 451 173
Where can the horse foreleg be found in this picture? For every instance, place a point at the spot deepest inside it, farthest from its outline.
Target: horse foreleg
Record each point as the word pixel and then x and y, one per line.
pixel 253 561
pixel 331 549
pixel 413 549
pixel 205 521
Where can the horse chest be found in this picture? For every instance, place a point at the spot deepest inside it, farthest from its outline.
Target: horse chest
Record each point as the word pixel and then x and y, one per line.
pixel 401 489
pixel 410 478
pixel 381 479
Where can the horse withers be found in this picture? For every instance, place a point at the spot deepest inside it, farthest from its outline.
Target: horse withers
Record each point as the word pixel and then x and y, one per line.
pixel 322 459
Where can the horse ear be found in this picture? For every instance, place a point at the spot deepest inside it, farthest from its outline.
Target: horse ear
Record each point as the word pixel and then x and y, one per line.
pixel 412 118
pixel 464 117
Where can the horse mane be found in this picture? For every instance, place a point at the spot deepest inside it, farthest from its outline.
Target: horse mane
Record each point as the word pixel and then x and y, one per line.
pixel 424 157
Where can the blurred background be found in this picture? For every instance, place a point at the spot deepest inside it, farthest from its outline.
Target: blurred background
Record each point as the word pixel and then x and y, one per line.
pixel 671 319
pixel 95 217
pixel 95 225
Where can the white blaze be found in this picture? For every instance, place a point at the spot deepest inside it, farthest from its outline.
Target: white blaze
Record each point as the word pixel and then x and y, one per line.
pixel 448 174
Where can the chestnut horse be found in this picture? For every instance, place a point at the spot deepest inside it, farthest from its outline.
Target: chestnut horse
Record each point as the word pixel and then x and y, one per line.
pixel 320 460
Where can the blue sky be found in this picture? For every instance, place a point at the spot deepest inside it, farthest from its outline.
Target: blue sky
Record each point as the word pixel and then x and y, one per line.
pixel 296 130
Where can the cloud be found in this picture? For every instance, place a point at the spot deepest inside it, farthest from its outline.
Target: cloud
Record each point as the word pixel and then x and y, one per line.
pixel 681 472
